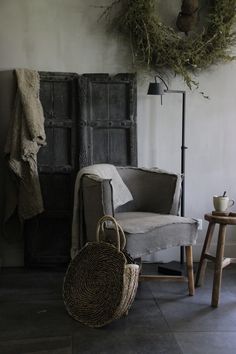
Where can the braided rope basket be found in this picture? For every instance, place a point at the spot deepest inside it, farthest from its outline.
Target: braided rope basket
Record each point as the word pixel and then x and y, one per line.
pixel 101 281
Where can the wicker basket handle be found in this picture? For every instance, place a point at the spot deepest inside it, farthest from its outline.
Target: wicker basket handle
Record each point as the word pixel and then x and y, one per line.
pixel 118 229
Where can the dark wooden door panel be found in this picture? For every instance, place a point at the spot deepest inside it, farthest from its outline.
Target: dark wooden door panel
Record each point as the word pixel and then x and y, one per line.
pixel 58 151
pixel 48 236
pixel 111 145
pixel 47 243
pixel 57 191
pixel 119 144
pixel 108 119
pixel 119 94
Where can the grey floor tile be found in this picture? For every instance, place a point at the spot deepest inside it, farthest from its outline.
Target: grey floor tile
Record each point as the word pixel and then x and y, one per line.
pixel 144 330
pixel 34 319
pixel 185 313
pixel 144 315
pixel 57 345
pixel 103 342
pixel 22 284
pixel 143 291
pixel 192 316
pixel 207 343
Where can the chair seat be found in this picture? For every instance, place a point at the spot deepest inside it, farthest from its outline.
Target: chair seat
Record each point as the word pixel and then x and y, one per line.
pixel 149 232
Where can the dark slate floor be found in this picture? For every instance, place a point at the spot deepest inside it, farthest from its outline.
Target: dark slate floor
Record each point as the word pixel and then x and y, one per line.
pixel 163 319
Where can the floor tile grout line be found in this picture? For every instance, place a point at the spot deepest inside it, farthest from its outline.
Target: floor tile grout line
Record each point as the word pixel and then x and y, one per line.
pixel 31 339
pixel 72 343
pixel 164 318
pixel 207 331
pixel 162 314
pixel 179 345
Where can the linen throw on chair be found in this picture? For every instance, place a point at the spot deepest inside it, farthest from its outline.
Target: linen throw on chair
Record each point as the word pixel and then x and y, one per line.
pixel 25 137
pixel 121 195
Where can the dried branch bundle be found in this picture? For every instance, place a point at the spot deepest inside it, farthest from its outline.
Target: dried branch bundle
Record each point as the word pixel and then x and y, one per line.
pixel 156 46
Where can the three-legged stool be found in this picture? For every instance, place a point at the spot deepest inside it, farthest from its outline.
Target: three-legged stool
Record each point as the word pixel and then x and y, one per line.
pixel 219 260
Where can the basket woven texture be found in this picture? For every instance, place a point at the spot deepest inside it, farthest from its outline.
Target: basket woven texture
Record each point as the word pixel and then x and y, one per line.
pixel 101 282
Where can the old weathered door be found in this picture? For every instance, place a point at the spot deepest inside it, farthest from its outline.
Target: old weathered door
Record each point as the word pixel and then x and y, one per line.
pixel 48 235
pixel 108 119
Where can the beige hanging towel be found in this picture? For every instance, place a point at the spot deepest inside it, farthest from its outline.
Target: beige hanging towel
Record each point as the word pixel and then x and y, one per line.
pixel 25 137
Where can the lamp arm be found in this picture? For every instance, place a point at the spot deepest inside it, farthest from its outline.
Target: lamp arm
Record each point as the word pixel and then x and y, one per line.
pixel 159 77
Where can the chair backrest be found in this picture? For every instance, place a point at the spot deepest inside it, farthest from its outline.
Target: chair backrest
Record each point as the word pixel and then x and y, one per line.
pixel 153 190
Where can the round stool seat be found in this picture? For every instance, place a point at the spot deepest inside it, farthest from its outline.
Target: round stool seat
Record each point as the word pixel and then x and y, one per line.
pixel 219 219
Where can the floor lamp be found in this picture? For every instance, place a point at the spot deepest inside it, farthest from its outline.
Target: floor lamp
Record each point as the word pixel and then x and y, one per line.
pixel 159 89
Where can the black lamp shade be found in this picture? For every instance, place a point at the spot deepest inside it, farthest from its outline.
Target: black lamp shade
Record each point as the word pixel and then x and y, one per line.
pixel 155 88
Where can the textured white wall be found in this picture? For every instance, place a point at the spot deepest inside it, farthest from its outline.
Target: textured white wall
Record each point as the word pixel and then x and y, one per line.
pixel 65 35
pixel 210 137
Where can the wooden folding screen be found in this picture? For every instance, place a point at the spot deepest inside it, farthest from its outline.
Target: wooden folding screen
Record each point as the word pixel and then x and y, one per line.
pixel 88 119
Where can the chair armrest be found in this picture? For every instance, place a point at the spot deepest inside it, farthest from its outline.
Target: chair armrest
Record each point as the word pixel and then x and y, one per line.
pixel 153 190
pixel 96 194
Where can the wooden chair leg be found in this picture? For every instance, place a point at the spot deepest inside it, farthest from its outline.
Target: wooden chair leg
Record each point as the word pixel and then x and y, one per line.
pixel 189 262
pixel 203 262
pixel 218 266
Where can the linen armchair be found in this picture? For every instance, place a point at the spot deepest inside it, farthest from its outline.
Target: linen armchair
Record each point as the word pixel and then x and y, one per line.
pixel 150 221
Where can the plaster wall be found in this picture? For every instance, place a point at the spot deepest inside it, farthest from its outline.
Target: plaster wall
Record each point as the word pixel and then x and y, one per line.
pixel 61 35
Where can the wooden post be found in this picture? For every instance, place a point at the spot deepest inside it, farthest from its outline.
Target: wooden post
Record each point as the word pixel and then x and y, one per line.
pixel 189 262
pixel 218 266
pixel 203 261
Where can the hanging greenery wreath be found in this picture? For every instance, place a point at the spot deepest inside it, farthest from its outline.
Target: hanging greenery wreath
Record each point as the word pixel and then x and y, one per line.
pixel 156 46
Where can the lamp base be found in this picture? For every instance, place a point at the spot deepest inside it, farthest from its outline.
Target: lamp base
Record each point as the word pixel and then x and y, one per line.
pixel 172 268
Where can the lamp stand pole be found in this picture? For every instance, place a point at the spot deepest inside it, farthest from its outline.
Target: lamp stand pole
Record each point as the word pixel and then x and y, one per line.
pixel 178 268
pixel 157 88
pixel 183 148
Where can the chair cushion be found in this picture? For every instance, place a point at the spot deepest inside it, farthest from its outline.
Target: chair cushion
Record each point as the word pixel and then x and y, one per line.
pixel 149 232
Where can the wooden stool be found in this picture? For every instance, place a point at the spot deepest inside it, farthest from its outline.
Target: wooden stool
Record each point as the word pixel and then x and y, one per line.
pixel 219 260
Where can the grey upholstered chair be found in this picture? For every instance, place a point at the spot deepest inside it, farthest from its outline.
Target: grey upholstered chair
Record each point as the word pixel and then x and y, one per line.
pixel 150 220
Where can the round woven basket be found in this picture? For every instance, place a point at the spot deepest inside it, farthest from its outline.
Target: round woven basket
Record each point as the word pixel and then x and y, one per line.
pixel 101 282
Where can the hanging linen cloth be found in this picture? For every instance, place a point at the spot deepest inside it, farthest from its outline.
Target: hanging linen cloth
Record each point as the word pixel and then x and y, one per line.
pixel 25 137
